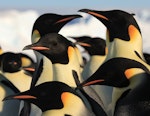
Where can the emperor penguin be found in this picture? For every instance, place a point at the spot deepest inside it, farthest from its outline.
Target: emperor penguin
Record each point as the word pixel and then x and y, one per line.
pixel 18 68
pixel 54 98
pixel 134 99
pixel 48 23
pixel 123 40
pixel 97 49
pixel 13 79
pixel 64 59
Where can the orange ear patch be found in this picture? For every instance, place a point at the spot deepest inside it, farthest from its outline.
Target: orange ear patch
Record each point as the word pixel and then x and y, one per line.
pixel 129 73
pixel 134 33
pixel 25 61
pixel 98 15
pixel 66 98
pixel 70 52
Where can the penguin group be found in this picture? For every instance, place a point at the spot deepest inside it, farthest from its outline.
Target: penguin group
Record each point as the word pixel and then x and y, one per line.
pixel 115 81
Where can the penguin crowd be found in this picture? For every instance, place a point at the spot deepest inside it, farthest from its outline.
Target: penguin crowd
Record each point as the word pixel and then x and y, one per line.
pixel 115 81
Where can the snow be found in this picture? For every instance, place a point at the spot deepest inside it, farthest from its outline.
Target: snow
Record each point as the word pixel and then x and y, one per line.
pixel 16 27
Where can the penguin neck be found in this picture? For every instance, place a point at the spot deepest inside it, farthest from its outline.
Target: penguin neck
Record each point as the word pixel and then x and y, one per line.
pixel 92 65
pixel 47 72
pixel 136 79
pixel 19 79
pixel 120 48
pixel 63 72
pixel 73 106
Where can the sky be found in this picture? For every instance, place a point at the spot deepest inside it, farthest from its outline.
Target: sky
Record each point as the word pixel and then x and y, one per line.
pixel 73 5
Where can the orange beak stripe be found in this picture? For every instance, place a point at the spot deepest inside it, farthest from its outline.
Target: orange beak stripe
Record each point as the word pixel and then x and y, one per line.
pixel 93 82
pixel 29 69
pixel 65 19
pixel 40 48
pixel 84 44
pixel 98 15
pixel 24 97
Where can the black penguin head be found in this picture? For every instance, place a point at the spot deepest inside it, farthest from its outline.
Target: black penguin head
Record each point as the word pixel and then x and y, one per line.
pixel 94 46
pixel 54 46
pixel 120 24
pixel 10 62
pixel 50 23
pixel 115 72
pixel 47 96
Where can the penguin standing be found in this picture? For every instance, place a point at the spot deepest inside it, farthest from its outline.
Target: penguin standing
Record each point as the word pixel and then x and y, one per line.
pixel 63 56
pixel 124 40
pixel 13 79
pixel 54 98
pixel 48 23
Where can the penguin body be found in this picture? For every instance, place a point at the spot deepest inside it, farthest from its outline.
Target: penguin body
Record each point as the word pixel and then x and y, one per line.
pixel 123 40
pixel 61 53
pixel 48 23
pixel 55 98
pixel 63 56
pixel 96 47
pixel 7 108
pixel 16 68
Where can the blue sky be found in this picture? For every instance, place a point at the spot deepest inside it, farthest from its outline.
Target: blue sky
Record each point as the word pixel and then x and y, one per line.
pixel 132 4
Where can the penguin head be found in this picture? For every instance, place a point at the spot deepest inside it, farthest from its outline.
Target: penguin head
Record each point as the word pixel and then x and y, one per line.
pixel 47 96
pixel 54 46
pixel 50 23
pixel 120 24
pixel 94 46
pixel 116 72
pixel 10 62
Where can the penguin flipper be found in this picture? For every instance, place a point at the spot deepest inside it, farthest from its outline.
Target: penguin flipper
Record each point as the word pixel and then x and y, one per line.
pixel 25 111
pixel 96 108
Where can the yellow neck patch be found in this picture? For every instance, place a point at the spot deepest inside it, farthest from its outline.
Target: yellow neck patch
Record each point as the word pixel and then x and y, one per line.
pixel 35 36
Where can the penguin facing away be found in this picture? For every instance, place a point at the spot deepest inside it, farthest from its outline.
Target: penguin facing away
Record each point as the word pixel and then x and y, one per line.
pixel 54 98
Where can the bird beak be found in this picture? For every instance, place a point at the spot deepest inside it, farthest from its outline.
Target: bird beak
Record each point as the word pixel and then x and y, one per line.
pixel 31 69
pixel 98 14
pixel 88 83
pixel 68 18
pixel 35 47
pixel 83 44
pixel 19 97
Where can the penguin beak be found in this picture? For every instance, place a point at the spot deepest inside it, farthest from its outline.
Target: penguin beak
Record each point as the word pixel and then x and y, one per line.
pixel 83 44
pixel 68 18
pixel 19 97
pixel 88 83
pixel 35 47
pixel 98 14
pixel 30 69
